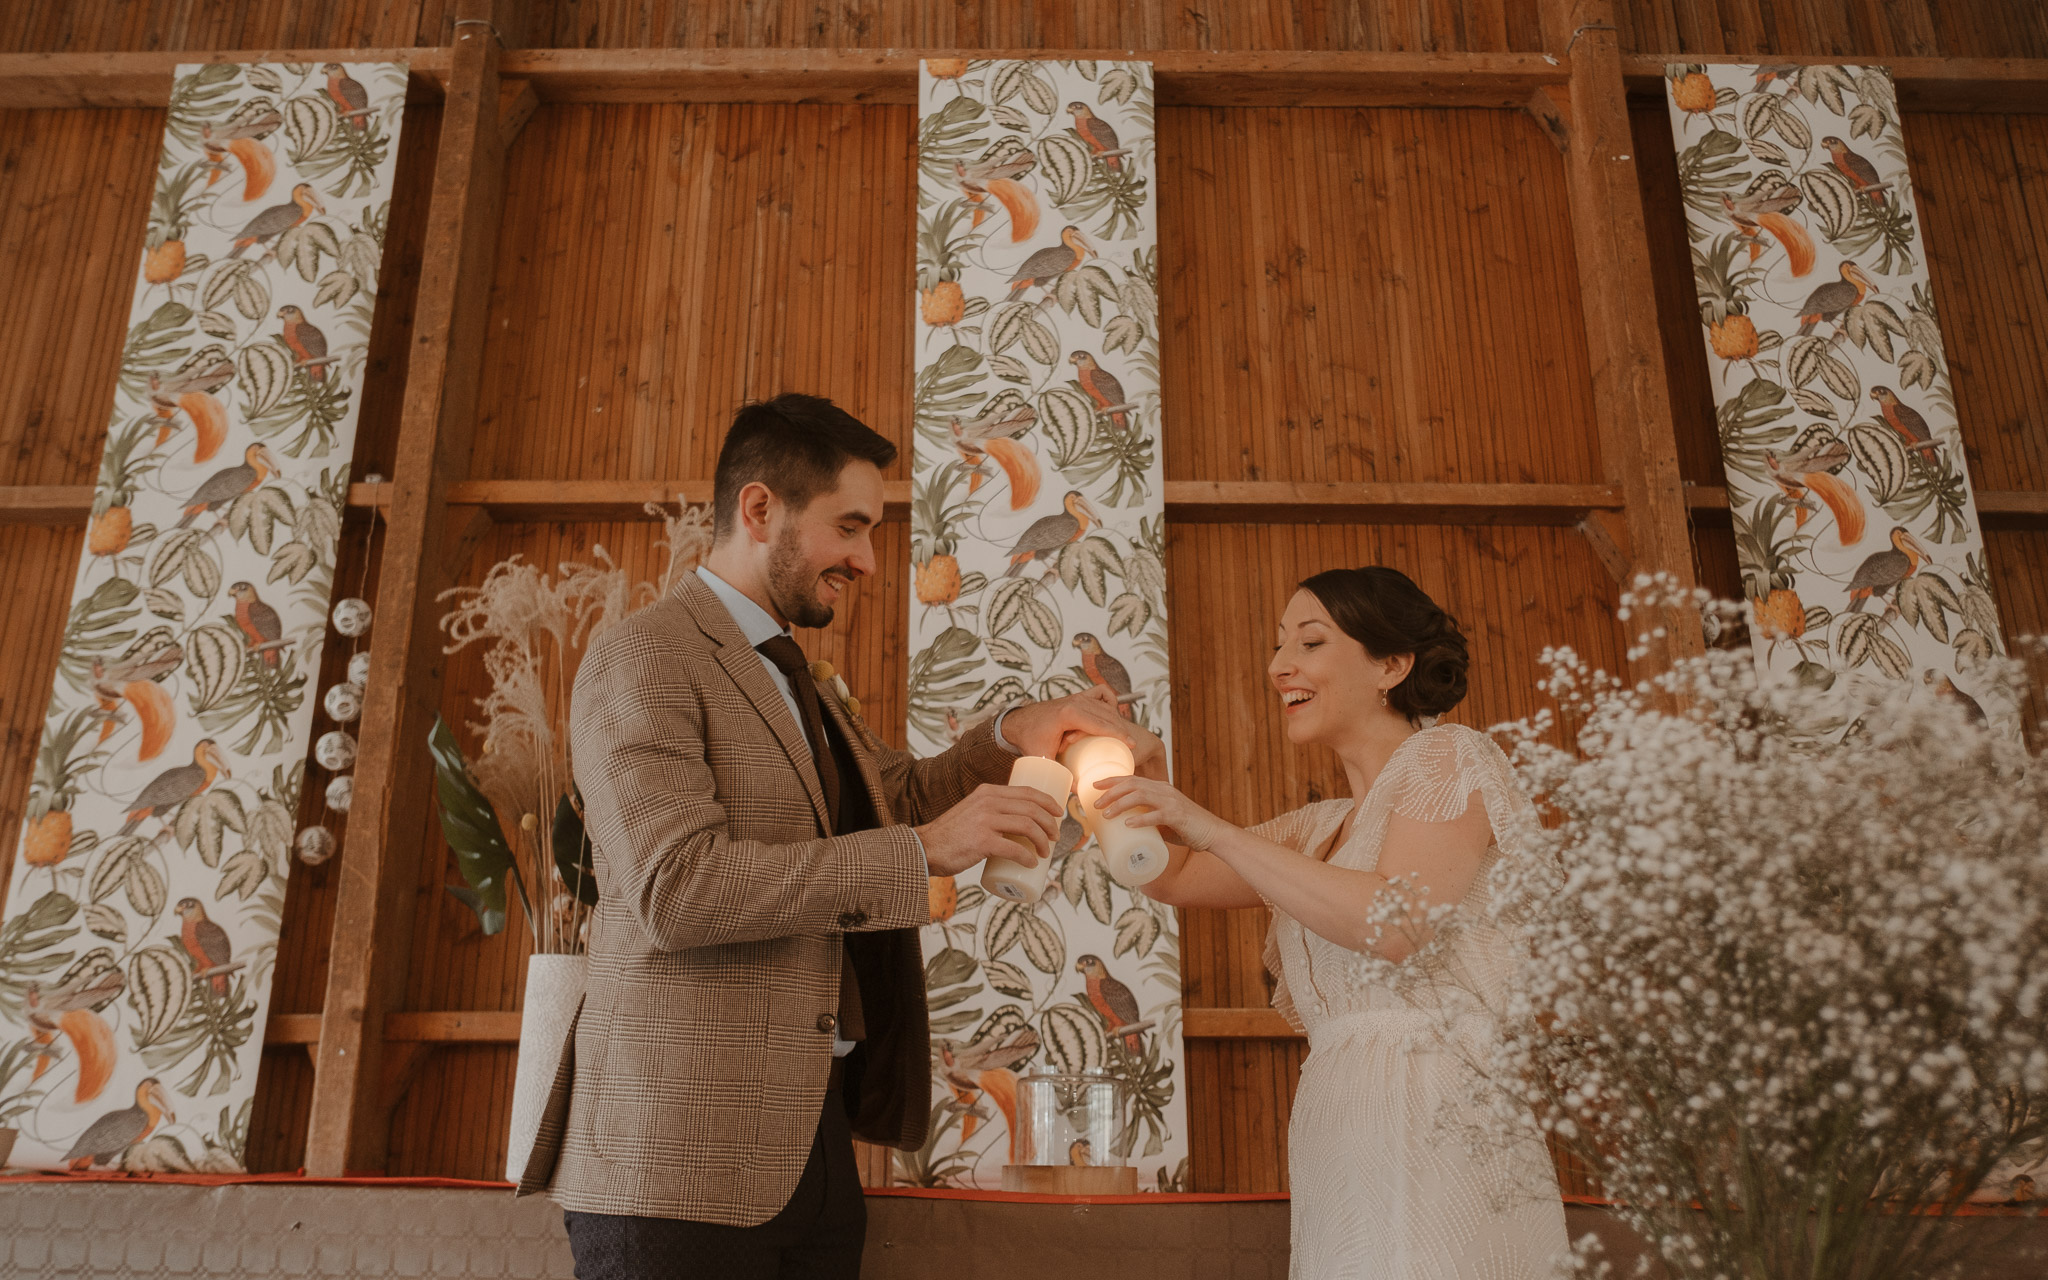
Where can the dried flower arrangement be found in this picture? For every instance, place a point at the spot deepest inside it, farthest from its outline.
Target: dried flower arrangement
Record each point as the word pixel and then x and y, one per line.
pixel 537 627
pixel 1791 1007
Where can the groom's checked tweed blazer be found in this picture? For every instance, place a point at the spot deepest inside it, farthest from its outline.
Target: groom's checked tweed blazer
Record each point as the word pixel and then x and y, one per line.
pixel 691 1084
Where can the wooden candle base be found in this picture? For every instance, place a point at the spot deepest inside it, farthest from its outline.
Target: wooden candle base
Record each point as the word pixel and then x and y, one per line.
pixel 1071 1180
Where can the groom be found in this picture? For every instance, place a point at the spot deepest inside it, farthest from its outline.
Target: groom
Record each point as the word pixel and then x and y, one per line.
pixel 756 990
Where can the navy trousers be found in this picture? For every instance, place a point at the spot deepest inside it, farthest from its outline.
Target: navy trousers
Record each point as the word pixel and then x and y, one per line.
pixel 818 1235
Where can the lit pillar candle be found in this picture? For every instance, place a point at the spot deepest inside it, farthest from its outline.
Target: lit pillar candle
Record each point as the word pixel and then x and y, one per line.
pixel 1136 855
pixel 1007 879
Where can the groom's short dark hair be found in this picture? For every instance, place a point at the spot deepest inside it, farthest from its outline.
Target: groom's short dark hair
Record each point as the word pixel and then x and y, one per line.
pixel 796 445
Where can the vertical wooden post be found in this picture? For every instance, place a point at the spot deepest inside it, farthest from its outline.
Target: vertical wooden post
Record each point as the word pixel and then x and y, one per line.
pixel 367 962
pixel 1631 401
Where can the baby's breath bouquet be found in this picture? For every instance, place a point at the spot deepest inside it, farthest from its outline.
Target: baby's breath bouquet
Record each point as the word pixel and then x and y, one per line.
pixel 1791 1006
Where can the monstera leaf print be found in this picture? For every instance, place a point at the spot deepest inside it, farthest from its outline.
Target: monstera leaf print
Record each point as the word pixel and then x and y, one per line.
pixel 1037 544
pixel 147 894
pixel 1858 533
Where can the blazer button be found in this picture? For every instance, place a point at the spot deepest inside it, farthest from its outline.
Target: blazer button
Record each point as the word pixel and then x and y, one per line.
pixel 827 1023
pixel 852 919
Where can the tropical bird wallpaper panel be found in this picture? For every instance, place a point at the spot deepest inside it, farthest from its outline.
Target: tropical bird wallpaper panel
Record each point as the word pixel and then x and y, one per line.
pixel 1038 570
pixel 141 927
pixel 1854 521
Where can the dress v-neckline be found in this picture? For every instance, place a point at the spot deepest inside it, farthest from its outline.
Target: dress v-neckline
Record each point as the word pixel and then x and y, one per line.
pixel 1331 842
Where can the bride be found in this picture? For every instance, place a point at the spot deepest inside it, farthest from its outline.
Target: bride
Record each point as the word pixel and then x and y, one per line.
pixel 1386 1183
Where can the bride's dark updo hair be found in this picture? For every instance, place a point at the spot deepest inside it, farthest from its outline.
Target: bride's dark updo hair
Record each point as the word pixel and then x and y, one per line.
pixel 1385 611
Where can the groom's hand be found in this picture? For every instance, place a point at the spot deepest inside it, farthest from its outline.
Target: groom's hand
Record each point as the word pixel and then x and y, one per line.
pixel 1048 728
pixel 980 827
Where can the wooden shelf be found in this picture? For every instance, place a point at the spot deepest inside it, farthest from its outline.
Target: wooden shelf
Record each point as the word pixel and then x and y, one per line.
pixel 2003 85
pixel 1996 508
pixel 1187 501
pixel 1235 1024
pixel 55 81
pixel 468 1027
pixel 499 1027
pixel 1183 78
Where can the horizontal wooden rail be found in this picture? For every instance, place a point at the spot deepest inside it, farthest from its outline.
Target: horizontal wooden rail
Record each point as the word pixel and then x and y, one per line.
pixel 1183 78
pixel 501 1027
pixel 1235 1024
pixel 46 81
pixel 467 1027
pixel 1996 508
pixel 2004 85
pixel 1187 501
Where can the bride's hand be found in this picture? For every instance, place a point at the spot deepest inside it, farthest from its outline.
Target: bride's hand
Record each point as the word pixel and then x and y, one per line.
pixel 1146 802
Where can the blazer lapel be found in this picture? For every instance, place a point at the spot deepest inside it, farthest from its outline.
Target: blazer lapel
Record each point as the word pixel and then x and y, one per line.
pixel 855 739
pixel 749 670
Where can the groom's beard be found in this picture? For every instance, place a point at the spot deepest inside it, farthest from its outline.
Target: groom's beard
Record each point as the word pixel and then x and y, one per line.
pixel 793 585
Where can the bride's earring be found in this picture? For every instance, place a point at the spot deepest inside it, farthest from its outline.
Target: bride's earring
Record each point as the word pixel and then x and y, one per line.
pixel 1383 697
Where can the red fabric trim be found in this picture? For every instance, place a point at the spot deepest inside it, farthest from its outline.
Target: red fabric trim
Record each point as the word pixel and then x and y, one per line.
pixel 1028 1197
pixel 246 1179
pixel 9 1176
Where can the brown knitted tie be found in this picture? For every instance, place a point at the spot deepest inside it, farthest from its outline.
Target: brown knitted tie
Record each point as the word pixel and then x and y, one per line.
pixel 789 659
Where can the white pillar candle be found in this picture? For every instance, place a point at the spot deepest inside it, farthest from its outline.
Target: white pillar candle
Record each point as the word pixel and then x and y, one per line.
pixel 1008 879
pixel 1137 855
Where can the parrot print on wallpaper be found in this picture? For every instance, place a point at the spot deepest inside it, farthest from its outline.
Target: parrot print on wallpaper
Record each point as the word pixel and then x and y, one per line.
pixel 1038 547
pixel 142 914
pixel 1855 527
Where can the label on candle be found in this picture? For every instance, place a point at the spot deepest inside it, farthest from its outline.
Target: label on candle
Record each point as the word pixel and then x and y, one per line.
pixel 1136 855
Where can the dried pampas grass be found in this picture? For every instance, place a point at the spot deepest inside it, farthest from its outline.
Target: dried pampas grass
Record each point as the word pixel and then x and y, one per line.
pixel 537 627
pixel 685 540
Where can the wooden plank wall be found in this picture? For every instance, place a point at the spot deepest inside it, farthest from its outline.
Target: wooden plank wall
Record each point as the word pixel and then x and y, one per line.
pixel 1348 295
pixel 1984 29
pixel 1835 28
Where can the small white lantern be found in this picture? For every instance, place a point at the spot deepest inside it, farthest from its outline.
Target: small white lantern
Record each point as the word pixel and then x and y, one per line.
pixel 315 845
pixel 344 702
pixel 341 793
pixel 352 616
pixel 335 750
pixel 359 670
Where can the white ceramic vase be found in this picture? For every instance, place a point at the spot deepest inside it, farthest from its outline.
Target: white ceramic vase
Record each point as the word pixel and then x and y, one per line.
pixel 554 984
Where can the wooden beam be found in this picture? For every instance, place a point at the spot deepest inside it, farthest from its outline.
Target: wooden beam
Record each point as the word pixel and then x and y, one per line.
pixel 1996 508
pixel 1617 293
pixel 489 1026
pixel 45 504
pixel 480 1027
pixel 286 1029
pixel 2000 85
pixel 1235 1024
pixel 1551 108
pixel 1606 532
pixel 352 1086
pixel 1187 502
pixel 55 81
pixel 502 1027
pixel 1297 502
pixel 516 104
pixel 1183 78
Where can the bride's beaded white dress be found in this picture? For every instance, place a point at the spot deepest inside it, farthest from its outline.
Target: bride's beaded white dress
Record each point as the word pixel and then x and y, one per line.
pixel 1398 1171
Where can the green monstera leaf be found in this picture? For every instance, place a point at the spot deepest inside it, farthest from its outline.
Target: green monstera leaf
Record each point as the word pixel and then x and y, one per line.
pixel 571 847
pixel 471 827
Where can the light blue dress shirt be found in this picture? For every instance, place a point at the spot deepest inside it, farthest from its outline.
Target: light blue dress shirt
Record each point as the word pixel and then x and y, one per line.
pixel 759 627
